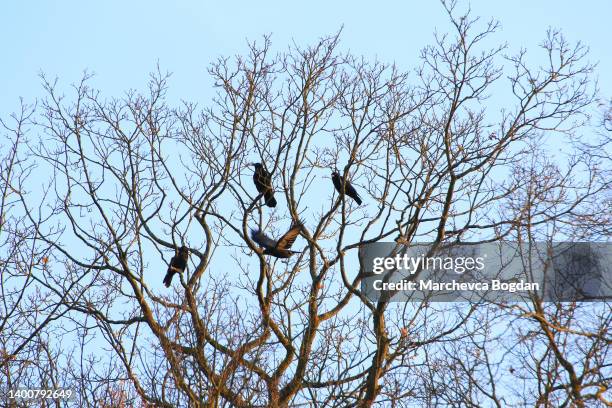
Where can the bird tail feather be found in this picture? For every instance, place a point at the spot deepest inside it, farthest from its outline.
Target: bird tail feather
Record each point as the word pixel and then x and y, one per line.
pixel 270 200
pixel 168 278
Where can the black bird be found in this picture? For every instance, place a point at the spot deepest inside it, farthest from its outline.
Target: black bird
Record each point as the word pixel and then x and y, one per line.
pixel 263 183
pixel 178 263
pixel 280 248
pixel 349 190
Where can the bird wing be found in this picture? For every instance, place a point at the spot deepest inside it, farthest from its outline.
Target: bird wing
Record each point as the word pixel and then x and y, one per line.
pixel 262 239
pixel 350 190
pixel 337 182
pixel 177 263
pixel 171 264
pixel 288 239
pixel 262 177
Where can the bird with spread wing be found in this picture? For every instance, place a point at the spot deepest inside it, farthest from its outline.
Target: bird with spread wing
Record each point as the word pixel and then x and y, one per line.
pixel 280 248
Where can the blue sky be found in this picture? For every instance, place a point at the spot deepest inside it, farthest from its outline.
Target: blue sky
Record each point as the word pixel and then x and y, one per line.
pixel 122 41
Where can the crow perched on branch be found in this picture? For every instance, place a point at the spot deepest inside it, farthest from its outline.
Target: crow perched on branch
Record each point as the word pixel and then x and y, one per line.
pixel 349 190
pixel 263 183
pixel 280 248
pixel 178 263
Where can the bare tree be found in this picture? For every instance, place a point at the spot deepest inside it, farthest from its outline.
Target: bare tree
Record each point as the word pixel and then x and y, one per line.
pixel 32 297
pixel 132 179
